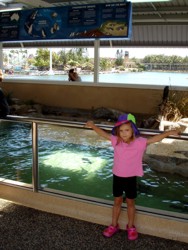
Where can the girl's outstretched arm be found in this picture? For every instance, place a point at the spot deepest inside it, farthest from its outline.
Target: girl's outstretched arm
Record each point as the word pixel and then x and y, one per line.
pixel 157 138
pixel 98 130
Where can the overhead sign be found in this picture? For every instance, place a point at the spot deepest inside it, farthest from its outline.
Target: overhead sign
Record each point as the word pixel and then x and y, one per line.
pixel 111 20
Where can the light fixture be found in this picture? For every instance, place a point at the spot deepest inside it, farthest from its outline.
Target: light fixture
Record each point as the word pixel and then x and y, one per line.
pixel 148 1
pixel 5 2
pixel 12 7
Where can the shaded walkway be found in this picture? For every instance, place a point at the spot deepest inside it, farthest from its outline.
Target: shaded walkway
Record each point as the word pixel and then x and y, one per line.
pixel 23 228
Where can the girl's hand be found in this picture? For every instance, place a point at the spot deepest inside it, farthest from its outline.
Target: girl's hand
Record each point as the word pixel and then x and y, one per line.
pixel 89 124
pixel 99 131
pixel 160 137
pixel 175 132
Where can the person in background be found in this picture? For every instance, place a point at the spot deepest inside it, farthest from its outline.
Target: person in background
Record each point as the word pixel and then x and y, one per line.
pixel 129 148
pixel 1 75
pixel 4 107
pixel 73 76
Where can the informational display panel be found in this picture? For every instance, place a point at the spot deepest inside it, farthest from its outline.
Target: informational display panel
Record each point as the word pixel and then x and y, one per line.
pixel 103 21
pixel 9 25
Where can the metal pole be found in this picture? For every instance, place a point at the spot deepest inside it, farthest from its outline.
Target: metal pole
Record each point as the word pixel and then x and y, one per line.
pixel 35 156
pixel 96 62
pixel 1 56
pixel 51 72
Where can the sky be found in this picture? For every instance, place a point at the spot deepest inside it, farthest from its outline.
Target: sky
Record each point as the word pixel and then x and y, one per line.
pixel 133 52
pixel 142 52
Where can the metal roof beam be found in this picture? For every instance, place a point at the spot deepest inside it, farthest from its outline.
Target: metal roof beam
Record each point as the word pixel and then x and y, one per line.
pixel 146 10
pixel 163 19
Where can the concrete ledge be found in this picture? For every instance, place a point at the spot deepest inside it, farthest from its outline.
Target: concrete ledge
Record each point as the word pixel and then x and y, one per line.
pixel 154 225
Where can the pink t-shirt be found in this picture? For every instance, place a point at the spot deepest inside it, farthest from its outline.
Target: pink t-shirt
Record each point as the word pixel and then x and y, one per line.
pixel 128 157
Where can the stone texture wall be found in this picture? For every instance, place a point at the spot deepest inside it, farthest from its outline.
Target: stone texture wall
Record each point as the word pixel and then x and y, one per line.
pixel 135 100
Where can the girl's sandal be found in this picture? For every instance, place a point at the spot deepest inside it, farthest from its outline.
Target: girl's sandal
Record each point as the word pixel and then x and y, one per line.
pixel 110 231
pixel 132 233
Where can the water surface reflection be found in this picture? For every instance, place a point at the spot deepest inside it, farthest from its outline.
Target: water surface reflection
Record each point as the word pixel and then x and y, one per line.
pixel 79 161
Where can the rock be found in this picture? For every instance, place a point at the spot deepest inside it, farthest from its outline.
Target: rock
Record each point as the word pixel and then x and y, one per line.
pixel 72 112
pixel 106 113
pixel 168 156
pixel 46 110
pixel 151 122
pixel 38 108
pixel 167 164
pixel 182 124
pixel 19 109
pixel 16 101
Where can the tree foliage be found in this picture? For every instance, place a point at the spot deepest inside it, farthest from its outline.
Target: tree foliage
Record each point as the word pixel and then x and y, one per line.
pixel 42 59
pixel 78 57
pixel 63 59
pixel 105 64
pixel 119 58
pixel 164 59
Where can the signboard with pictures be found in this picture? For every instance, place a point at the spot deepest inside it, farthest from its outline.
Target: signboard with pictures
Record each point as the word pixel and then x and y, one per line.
pixel 102 21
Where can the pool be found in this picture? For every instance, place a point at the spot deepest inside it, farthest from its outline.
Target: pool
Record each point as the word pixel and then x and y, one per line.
pixel 80 162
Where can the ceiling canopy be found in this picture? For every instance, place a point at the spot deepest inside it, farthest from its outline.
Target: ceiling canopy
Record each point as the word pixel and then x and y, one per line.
pixel 155 23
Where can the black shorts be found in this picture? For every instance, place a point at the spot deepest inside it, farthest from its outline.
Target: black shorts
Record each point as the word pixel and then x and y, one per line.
pixel 125 184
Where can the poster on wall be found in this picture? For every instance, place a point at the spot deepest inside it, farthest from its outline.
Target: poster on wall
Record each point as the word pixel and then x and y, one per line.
pixel 72 22
pixel 9 25
pixel 100 21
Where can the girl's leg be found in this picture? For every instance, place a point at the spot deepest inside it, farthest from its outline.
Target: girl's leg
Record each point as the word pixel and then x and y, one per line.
pixel 116 210
pixel 130 212
pixel 114 227
pixel 131 229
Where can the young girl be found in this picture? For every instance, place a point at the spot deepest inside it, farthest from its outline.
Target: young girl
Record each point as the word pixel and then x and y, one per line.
pixel 129 148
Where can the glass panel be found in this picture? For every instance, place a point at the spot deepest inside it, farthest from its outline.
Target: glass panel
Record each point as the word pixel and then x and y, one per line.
pixel 50 64
pixel 148 66
pixel 70 160
pixel 165 183
pixel 16 151
pixel 80 162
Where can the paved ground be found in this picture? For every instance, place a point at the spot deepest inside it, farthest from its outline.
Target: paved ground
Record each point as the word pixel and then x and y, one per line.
pixel 23 228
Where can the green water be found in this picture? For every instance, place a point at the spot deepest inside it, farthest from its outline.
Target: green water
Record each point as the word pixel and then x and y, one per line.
pixel 80 162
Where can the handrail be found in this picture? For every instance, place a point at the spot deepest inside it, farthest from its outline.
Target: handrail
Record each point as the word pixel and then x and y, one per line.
pixel 35 156
pixel 73 124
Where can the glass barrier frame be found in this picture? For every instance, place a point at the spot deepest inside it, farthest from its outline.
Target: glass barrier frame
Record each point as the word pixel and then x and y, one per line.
pixel 35 168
